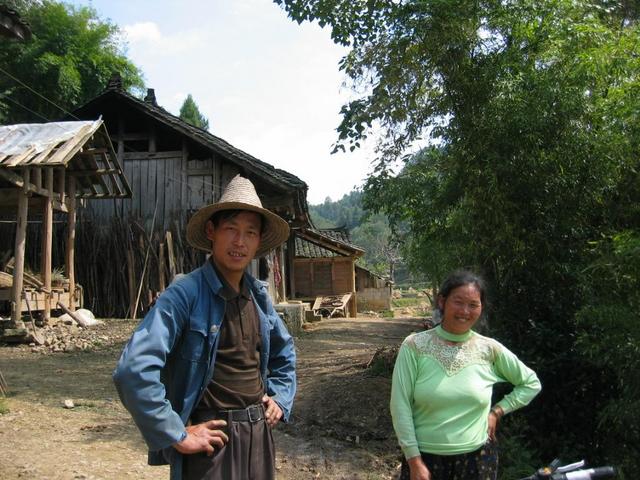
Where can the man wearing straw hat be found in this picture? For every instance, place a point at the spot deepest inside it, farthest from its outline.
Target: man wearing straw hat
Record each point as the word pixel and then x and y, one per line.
pixel 211 368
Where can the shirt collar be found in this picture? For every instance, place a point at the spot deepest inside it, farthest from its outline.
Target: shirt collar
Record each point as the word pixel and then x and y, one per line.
pixel 227 291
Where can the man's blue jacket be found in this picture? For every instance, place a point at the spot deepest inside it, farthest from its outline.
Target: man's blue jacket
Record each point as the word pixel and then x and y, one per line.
pixel 169 360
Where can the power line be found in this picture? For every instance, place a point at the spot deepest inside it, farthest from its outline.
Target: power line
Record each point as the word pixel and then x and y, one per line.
pixel 214 187
pixel 37 93
pixel 4 95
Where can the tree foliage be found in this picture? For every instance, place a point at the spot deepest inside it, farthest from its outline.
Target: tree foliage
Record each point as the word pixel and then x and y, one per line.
pixel 190 113
pixel 371 232
pixel 531 111
pixel 69 60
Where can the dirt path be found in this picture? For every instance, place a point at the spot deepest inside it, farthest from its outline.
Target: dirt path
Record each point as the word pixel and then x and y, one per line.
pixel 341 428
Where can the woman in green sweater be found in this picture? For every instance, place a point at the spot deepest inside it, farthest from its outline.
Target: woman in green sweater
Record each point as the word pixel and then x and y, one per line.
pixel 442 385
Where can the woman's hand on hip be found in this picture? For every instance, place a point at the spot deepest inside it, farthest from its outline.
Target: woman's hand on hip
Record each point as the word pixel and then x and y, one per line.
pixel 494 418
pixel 417 469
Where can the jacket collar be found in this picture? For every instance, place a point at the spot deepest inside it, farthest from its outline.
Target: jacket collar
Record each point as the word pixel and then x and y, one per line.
pixel 216 285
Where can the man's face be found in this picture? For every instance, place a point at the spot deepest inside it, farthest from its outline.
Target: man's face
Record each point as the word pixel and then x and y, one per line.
pixel 235 242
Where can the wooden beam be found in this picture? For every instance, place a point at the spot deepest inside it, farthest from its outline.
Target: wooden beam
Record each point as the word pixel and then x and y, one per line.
pixel 153 156
pixel 90 173
pixel 128 136
pixel 72 146
pixel 47 240
pixel 19 182
pixel 18 272
pixel 71 238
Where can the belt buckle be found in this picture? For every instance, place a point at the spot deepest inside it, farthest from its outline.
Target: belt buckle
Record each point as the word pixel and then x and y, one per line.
pixel 250 412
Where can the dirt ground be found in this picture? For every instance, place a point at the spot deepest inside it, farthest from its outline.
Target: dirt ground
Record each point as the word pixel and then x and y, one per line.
pixel 340 430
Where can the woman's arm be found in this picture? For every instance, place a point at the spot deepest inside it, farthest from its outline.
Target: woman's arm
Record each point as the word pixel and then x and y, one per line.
pixel 526 384
pixel 402 388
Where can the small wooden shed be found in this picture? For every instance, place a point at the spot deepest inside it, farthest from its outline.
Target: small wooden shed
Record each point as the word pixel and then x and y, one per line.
pixel 45 168
pixel 324 264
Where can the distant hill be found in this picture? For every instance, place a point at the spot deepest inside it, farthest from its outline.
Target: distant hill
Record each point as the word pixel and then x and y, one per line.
pixel 372 233
pixel 346 212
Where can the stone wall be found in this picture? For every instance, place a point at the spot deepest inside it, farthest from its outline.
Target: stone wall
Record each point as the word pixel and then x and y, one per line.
pixel 374 299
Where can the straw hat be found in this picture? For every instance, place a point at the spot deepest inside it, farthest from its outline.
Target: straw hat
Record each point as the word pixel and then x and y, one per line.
pixel 240 194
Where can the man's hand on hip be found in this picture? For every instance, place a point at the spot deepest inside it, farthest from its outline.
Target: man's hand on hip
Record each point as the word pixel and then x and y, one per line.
pixel 272 411
pixel 203 437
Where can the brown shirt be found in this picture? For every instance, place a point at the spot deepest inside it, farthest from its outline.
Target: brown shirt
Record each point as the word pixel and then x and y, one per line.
pixel 236 381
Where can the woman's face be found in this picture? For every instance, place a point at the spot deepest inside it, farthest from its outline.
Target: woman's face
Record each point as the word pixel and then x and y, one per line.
pixel 461 309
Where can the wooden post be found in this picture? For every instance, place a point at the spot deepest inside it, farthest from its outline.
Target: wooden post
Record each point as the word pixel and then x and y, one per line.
pixel 353 307
pixel 71 239
pixel 18 268
pixel 291 253
pixel 62 173
pixel 47 240
pixel 282 291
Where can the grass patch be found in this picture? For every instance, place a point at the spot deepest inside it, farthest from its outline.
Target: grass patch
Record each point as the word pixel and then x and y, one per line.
pixel 4 406
pixel 405 302
pixel 387 313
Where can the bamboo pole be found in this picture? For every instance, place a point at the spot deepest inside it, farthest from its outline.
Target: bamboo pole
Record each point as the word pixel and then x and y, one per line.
pixel 21 235
pixel 132 286
pixel 161 273
pixel 171 255
pixel 71 238
pixel 47 241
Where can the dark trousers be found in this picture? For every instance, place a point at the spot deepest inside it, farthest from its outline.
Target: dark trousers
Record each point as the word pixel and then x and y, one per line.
pixel 479 465
pixel 248 455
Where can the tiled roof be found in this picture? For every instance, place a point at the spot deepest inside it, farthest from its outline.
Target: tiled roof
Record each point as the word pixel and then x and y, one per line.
pixel 314 243
pixel 203 137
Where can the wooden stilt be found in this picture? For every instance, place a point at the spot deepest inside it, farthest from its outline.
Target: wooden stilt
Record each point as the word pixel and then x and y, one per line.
pixel 71 239
pixel 47 240
pixel 18 269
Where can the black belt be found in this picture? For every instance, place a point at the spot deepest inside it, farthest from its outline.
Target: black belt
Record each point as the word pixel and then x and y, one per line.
pixel 251 414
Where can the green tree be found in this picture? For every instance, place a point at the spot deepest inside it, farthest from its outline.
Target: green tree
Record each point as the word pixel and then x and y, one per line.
pixel 190 113
pixel 531 106
pixel 69 59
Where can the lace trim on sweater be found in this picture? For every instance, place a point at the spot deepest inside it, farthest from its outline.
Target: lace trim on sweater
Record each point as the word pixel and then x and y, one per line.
pixel 478 350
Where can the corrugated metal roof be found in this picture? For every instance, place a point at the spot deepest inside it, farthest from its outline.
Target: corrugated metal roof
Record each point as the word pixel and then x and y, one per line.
pixel 83 148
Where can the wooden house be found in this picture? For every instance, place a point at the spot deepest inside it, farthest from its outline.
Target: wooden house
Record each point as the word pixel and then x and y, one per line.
pixel 174 168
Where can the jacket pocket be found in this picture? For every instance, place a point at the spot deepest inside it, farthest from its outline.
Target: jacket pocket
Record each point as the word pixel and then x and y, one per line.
pixel 194 346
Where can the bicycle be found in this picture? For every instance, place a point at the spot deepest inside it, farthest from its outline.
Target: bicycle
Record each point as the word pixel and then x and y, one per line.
pixel 572 471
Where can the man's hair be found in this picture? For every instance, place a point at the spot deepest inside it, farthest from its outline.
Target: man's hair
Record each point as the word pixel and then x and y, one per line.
pixel 226 215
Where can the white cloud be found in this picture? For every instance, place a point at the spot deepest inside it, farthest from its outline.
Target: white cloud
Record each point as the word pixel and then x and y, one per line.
pixel 146 39
pixel 142 32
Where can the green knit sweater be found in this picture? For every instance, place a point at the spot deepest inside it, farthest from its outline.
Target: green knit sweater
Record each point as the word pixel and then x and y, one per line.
pixel 441 390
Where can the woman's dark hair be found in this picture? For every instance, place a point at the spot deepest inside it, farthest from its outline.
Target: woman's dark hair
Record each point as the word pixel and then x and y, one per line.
pixel 224 215
pixel 460 278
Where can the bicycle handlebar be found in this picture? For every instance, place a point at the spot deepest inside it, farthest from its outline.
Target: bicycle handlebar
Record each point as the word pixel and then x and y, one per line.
pixel 570 472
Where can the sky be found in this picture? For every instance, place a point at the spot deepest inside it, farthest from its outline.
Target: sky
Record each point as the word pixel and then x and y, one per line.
pixel 268 86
